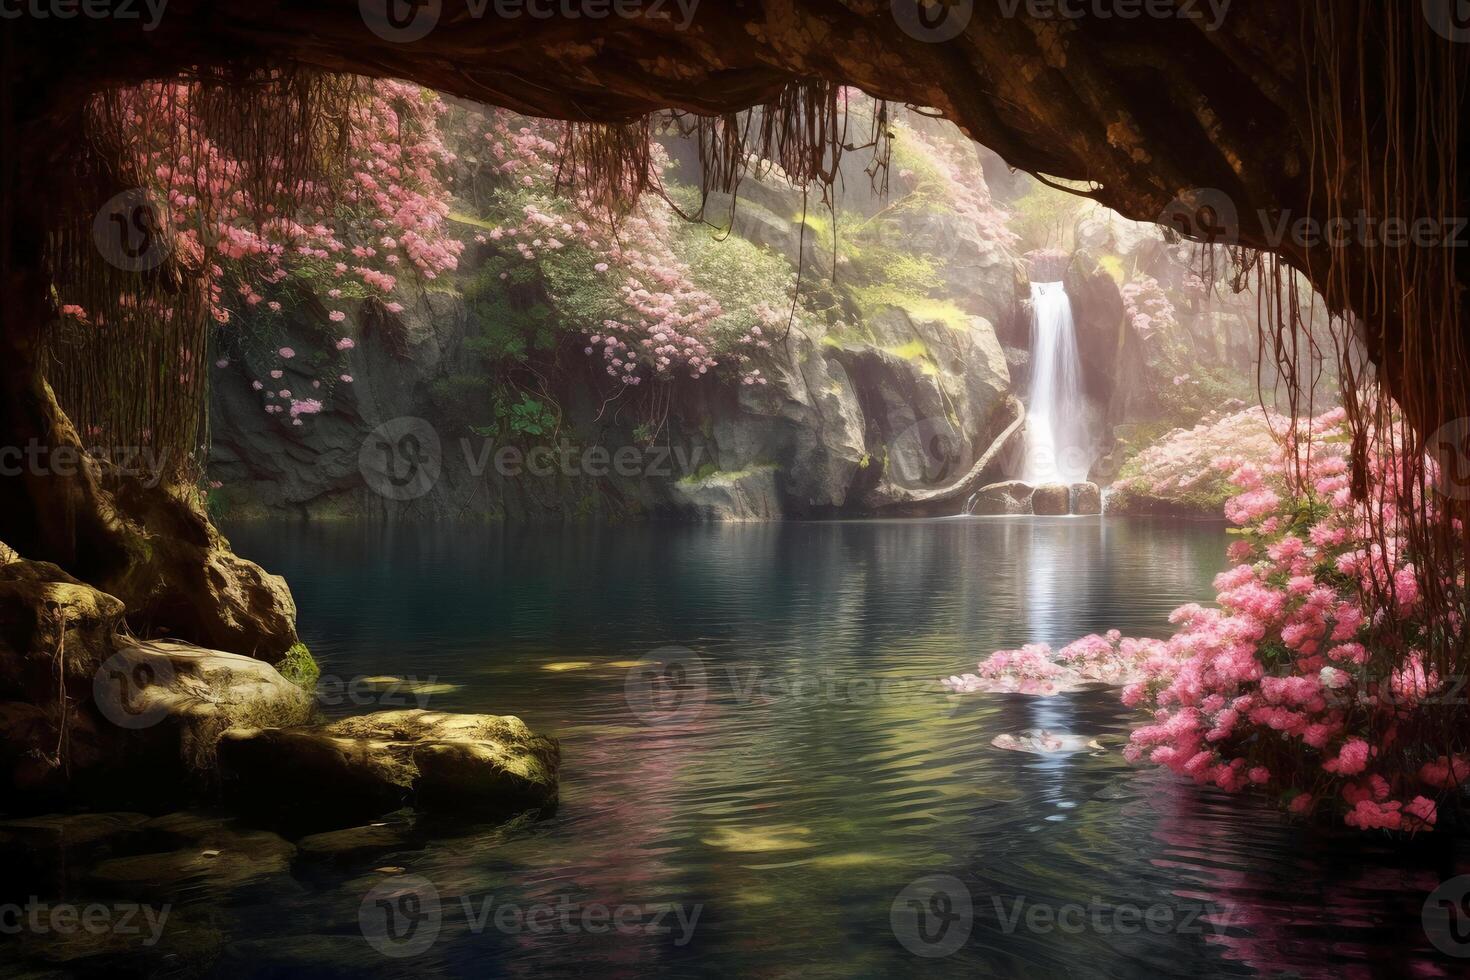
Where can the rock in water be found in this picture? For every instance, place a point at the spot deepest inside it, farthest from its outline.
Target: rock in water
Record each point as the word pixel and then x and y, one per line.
pixel 1086 499
pixel 1010 497
pixel 1041 741
pixel 358 768
pixel 1051 499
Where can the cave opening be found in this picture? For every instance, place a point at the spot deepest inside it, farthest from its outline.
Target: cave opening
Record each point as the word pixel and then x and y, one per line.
pixel 405 300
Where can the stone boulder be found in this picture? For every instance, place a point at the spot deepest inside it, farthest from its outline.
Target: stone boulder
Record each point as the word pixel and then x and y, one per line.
pixel 1051 499
pixel 358 768
pixel 1086 499
pixel 1010 497
pixel 137 717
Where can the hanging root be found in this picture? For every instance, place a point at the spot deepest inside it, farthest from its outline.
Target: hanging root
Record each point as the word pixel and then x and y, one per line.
pixel 130 260
pixel 803 132
pixel 1411 401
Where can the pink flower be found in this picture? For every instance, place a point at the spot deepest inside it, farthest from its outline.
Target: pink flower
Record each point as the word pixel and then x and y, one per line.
pixel 336 316
pixel 286 353
pixel 1351 759
pixel 346 343
pixel 346 379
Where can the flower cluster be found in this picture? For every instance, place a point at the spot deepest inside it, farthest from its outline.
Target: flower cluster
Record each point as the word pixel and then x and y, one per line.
pixel 1147 307
pixel 662 323
pixel 388 218
pixel 1309 678
pixel 1179 470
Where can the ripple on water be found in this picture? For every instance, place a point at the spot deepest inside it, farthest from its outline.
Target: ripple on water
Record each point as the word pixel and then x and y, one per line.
pixel 825 770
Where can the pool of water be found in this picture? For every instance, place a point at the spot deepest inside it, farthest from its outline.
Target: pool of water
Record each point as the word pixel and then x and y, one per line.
pixel 805 800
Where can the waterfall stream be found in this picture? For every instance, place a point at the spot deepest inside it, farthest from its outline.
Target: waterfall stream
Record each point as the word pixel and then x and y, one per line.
pixel 1057 442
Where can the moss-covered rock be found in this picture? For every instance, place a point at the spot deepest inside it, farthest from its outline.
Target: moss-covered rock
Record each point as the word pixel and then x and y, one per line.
pixel 362 767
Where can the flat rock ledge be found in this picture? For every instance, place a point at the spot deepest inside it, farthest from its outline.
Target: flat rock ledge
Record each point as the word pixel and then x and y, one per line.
pixel 349 771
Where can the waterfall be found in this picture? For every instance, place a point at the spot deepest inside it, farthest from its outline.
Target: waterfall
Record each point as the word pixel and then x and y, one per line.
pixel 1057 443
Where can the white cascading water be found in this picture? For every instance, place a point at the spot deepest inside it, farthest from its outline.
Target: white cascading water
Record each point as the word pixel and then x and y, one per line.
pixel 1057 444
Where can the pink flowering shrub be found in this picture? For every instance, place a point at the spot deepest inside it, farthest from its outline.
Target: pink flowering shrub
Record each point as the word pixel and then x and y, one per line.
pixel 257 265
pixel 1178 474
pixel 1148 307
pixel 1298 683
pixel 616 279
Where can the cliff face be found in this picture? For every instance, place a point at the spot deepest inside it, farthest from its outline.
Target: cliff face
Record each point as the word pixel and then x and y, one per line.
pixel 873 394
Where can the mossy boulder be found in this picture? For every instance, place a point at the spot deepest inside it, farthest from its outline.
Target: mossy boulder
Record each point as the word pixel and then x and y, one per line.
pixel 358 768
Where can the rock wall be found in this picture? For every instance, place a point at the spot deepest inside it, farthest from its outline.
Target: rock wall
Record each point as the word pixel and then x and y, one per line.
pixel 889 409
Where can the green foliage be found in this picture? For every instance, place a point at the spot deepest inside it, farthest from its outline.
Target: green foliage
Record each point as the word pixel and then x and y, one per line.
pixel 513 318
pixel 738 273
pixel 1046 216
pixel 526 417
pixel 300 667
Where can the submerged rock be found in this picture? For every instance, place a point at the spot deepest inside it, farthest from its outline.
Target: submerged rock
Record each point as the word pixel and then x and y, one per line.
pixel 201 851
pixel 1041 741
pixel 1010 497
pixel 1051 499
pixel 354 843
pixel 1086 499
pixel 362 767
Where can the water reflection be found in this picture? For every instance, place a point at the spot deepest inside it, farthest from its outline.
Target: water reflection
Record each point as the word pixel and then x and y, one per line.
pixel 826 770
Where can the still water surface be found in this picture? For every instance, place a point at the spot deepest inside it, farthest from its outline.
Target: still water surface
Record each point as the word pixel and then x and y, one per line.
pixel 824 772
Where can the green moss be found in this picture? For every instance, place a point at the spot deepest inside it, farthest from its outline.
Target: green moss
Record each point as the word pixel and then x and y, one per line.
pixel 911 351
pixel 710 473
pixel 299 667
pixel 1113 266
